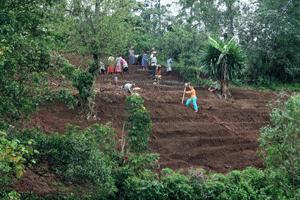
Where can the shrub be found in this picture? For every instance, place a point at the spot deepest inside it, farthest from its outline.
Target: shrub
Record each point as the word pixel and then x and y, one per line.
pixel 12 158
pixel 132 169
pixel 139 124
pixel 176 186
pixel 79 157
pixel 83 81
pixel 279 142
pixel 146 186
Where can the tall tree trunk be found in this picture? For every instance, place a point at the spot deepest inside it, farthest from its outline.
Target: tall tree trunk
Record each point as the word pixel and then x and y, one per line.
pixel 225 81
pixel 159 17
pixel 97 8
pixel 230 14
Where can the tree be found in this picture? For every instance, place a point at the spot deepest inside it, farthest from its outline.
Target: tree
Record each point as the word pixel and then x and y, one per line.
pixel 24 56
pixel 223 61
pixel 100 27
pixel 269 33
pixel 201 14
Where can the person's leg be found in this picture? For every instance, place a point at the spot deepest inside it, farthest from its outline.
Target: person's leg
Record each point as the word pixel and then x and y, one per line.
pixel 187 103
pixel 195 104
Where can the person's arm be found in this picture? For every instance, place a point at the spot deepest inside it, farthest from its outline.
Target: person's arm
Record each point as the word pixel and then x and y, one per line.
pixel 188 92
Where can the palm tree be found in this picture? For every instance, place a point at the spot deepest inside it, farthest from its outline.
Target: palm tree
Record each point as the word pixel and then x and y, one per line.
pixel 223 61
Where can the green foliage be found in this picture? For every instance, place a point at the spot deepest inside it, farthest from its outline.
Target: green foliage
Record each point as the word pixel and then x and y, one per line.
pixel 83 81
pixel 67 98
pixel 24 56
pixel 176 186
pixel 279 142
pixel 13 157
pixel 146 186
pixel 80 156
pixel 184 45
pixel 139 123
pixel 195 75
pixel 273 53
pixel 219 53
pixel 66 69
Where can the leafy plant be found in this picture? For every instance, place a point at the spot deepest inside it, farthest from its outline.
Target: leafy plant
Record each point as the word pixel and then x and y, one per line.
pixel 13 157
pixel 24 56
pixel 279 142
pixel 223 61
pixel 139 123
pixel 83 81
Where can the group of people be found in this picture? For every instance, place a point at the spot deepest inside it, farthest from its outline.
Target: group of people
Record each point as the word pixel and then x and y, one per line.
pixel 149 61
pixel 115 66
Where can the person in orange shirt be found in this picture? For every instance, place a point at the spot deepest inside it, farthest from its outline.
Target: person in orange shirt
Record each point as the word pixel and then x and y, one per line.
pixel 193 98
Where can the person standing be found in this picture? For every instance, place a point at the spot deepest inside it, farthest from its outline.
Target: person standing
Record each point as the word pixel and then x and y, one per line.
pixel 102 68
pixel 118 68
pixel 153 64
pixel 169 64
pixel 131 56
pixel 111 65
pixel 145 61
pixel 192 99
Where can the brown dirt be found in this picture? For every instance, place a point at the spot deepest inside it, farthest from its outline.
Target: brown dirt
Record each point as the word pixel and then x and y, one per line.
pixel 221 137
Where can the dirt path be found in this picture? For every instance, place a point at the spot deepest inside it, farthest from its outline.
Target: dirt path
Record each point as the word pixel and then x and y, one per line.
pixel 221 138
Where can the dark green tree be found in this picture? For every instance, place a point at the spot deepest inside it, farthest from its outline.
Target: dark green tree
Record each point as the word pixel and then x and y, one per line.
pixel 24 56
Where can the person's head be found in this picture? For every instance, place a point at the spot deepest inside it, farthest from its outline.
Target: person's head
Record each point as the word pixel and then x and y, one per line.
pixel 191 87
pixel 132 47
pixel 154 53
pixel 152 49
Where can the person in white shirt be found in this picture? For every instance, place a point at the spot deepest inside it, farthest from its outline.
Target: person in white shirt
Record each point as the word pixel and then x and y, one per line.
pixel 128 87
pixel 169 64
pixel 153 64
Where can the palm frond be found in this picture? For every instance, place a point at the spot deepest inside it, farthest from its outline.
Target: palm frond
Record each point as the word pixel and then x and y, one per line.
pixel 215 44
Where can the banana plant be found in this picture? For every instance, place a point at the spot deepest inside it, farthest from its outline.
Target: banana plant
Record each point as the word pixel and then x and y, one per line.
pixel 223 61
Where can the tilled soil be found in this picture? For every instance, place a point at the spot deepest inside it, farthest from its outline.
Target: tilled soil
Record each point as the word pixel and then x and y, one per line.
pixel 221 137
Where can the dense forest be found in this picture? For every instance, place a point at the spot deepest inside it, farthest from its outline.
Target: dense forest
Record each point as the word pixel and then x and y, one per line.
pixel 236 43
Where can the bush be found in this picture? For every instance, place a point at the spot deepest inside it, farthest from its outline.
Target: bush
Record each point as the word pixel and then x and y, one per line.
pixel 139 124
pixel 176 186
pixel 279 142
pixel 132 169
pixel 80 156
pixel 12 158
pixel 83 81
pixel 146 186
